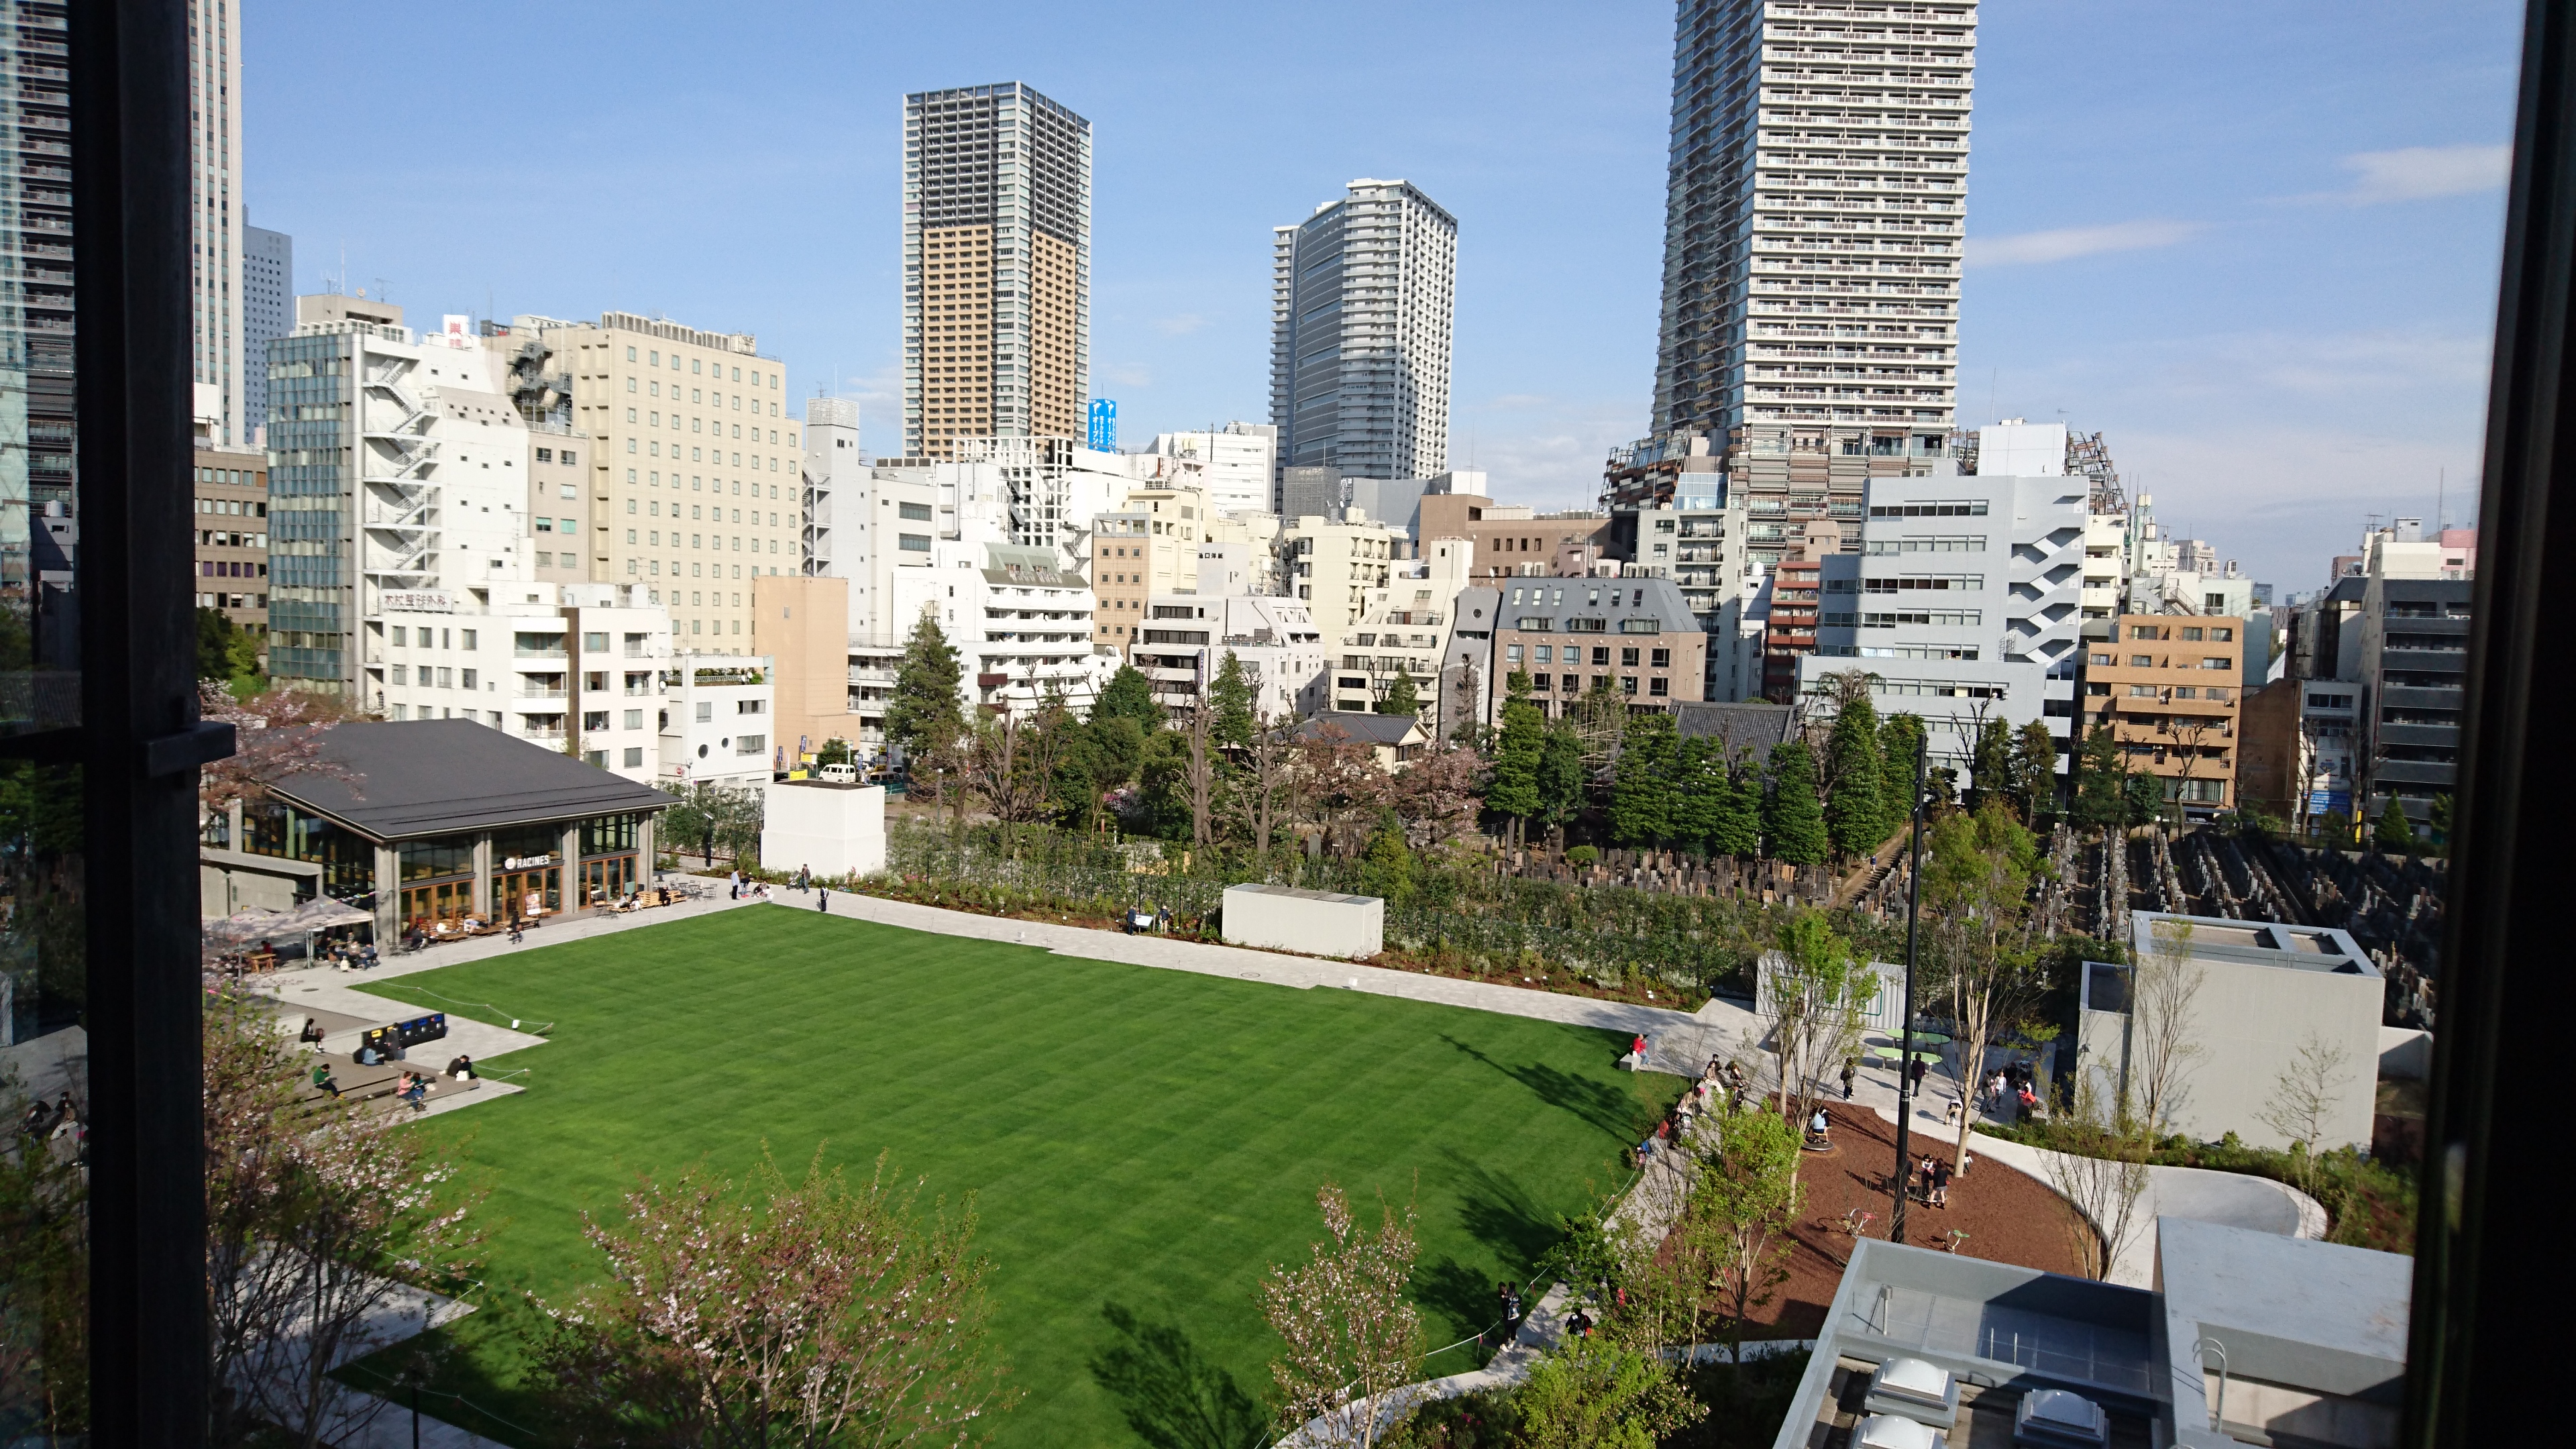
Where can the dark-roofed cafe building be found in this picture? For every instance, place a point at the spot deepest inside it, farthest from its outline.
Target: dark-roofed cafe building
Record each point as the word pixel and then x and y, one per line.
pixel 428 821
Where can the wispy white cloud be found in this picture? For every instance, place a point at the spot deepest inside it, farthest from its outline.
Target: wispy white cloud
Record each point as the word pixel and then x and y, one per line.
pixel 1128 374
pixel 1179 326
pixel 2066 243
pixel 2419 173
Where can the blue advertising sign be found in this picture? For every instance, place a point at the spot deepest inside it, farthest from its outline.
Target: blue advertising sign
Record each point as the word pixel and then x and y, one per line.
pixel 1104 424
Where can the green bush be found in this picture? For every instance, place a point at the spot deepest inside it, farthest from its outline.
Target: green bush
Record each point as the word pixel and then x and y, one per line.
pixel 1453 911
pixel 2368 1204
pixel 1582 855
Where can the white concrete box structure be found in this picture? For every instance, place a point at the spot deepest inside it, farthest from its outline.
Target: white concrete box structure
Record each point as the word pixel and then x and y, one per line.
pixel 2275 1012
pixel 716 721
pixel 830 828
pixel 1312 923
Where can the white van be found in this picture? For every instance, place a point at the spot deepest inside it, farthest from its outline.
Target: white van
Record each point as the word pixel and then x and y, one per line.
pixel 841 774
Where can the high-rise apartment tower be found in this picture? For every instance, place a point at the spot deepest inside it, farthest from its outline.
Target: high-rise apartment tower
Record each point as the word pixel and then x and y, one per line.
pixel 221 361
pixel 996 267
pixel 1361 295
pixel 1813 222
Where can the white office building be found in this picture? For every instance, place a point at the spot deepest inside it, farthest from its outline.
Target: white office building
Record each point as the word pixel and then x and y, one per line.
pixel 1963 605
pixel 579 667
pixel 398 479
pixel 1187 637
pixel 1235 462
pixel 1403 631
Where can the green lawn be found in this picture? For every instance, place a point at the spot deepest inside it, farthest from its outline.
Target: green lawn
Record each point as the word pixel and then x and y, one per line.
pixel 1143 1138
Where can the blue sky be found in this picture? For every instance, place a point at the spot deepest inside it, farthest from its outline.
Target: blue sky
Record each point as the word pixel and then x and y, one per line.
pixel 2253 244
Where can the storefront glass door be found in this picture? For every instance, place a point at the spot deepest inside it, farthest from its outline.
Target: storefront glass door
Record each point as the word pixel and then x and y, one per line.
pixel 605 880
pixel 527 894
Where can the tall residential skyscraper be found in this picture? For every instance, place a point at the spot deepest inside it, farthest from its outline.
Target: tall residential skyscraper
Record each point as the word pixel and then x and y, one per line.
pixel 1812 226
pixel 1361 295
pixel 215 213
pixel 996 267
pixel 268 310
pixel 36 326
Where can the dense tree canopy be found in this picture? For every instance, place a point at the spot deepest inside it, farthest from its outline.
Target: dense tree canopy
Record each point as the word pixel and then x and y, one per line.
pixel 1793 828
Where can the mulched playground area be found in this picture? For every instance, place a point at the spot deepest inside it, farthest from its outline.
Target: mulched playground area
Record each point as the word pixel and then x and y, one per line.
pixel 2009 1216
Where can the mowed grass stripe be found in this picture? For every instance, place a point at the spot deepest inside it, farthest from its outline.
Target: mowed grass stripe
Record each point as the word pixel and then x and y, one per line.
pixel 1147 1137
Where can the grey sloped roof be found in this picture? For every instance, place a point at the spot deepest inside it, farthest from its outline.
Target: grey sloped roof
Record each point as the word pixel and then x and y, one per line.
pixel 1375 729
pixel 1751 724
pixel 441 776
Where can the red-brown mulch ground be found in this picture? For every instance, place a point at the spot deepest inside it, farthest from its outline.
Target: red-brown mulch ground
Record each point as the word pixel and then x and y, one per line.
pixel 2009 1217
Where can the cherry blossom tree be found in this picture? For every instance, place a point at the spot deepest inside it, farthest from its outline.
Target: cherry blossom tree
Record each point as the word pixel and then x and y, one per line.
pixel 1353 1334
pixel 775 1313
pixel 322 1221
pixel 277 735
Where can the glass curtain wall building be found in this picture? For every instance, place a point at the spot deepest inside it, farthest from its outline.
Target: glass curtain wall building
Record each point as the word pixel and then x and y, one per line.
pixel 996 267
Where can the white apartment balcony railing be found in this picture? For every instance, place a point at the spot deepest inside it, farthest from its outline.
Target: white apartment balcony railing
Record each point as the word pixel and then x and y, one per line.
pixel 538 694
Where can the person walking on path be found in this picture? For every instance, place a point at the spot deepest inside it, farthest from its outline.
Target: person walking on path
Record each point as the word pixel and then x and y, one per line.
pixel 1914 1072
pixel 1851 1069
pixel 1940 1184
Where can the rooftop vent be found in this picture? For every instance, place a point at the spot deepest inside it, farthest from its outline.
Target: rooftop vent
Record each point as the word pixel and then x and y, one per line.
pixel 2056 1419
pixel 1913 1389
pixel 1887 1431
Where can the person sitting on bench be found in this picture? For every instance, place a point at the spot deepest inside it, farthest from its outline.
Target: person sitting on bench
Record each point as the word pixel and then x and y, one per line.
pixel 462 1069
pixel 368 1056
pixel 312 1032
pixel 415 1091
pixel 322 1081
pixel 39 1119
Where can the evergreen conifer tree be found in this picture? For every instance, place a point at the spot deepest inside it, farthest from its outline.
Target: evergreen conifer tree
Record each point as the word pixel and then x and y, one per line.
pixel 923 713
pixel 1230 696
pixel 2099 802
pixel 2034 769
pixel 1514 791
pixel 1641 785
pixel 1699 790
pixel 1129 695
pixel 1793 828
pixel 1737 828
pixel 1560 773
pixel 1402 696
pixel 1900 738
pixel 1990 764
pixel 2394 834
pixel 1855 813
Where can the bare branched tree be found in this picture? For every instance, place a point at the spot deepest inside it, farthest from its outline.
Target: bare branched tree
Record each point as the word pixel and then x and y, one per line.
pixel 2165 985
pixel 1264 797
pixel 1350 1325
pixel 1200 774
pixel 1819 990
pixel 2098 1163
pixel 2304 1101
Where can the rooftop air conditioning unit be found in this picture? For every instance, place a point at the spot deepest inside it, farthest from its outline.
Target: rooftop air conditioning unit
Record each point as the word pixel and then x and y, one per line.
pixel 2056 1419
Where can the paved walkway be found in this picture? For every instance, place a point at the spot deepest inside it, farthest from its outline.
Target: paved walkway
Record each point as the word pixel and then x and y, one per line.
pixel 1273 967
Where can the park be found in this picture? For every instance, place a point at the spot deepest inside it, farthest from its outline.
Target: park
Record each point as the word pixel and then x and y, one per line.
pixel 1137 1144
